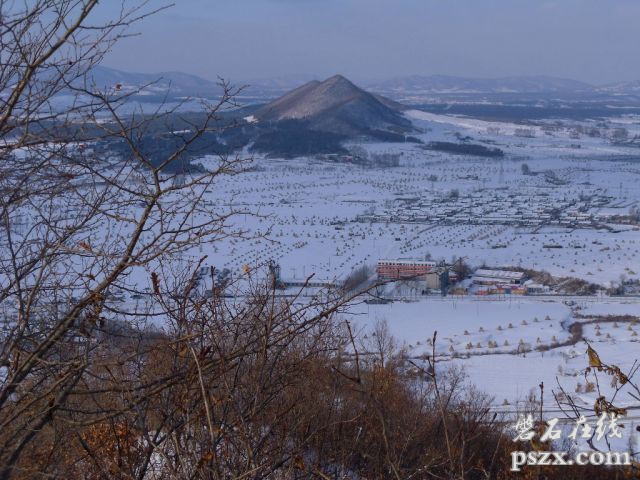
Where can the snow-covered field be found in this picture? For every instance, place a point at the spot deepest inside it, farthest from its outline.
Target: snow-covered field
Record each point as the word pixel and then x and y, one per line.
pixel 327 219
pixel 468 321
pixel 312 216
pixel 533 345
pixel 526 328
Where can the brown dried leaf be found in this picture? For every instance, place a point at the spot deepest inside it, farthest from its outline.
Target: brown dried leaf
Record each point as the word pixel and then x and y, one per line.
pixel 594 358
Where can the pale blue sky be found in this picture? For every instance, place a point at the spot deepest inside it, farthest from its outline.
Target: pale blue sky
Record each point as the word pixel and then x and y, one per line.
pixel 591 40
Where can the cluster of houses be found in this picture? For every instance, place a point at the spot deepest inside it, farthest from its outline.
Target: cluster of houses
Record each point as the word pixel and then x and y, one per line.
pixel 498 207
pixel 445 278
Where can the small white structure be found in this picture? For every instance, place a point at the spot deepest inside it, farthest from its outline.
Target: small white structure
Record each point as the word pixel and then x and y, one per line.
pixel 497 277
pixel 536 288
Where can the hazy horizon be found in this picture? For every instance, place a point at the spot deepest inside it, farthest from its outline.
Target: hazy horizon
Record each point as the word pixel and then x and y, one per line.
pixel 369 40
pixel 301 77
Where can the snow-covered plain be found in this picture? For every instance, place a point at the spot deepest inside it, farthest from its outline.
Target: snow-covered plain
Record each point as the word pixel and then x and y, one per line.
pixel 327 219
pixel 313 216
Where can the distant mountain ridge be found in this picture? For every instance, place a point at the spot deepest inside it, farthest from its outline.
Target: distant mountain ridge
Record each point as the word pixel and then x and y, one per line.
pixel 173 83
pixel 179 84
pixel 452 84
pixel 628 88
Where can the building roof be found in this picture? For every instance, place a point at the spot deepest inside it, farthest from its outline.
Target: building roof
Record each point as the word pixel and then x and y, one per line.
pixel 407 261
pixel 499 274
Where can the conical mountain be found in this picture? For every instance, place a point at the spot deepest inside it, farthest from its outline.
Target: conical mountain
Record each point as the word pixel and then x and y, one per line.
pixel 336 105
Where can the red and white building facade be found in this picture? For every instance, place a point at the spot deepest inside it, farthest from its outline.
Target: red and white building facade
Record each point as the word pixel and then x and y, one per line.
pixel 403 269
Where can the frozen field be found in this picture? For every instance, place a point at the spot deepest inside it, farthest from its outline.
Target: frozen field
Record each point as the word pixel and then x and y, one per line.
pixel 316 217
pixel 328 218
pixel 533 345
pixel 527 331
